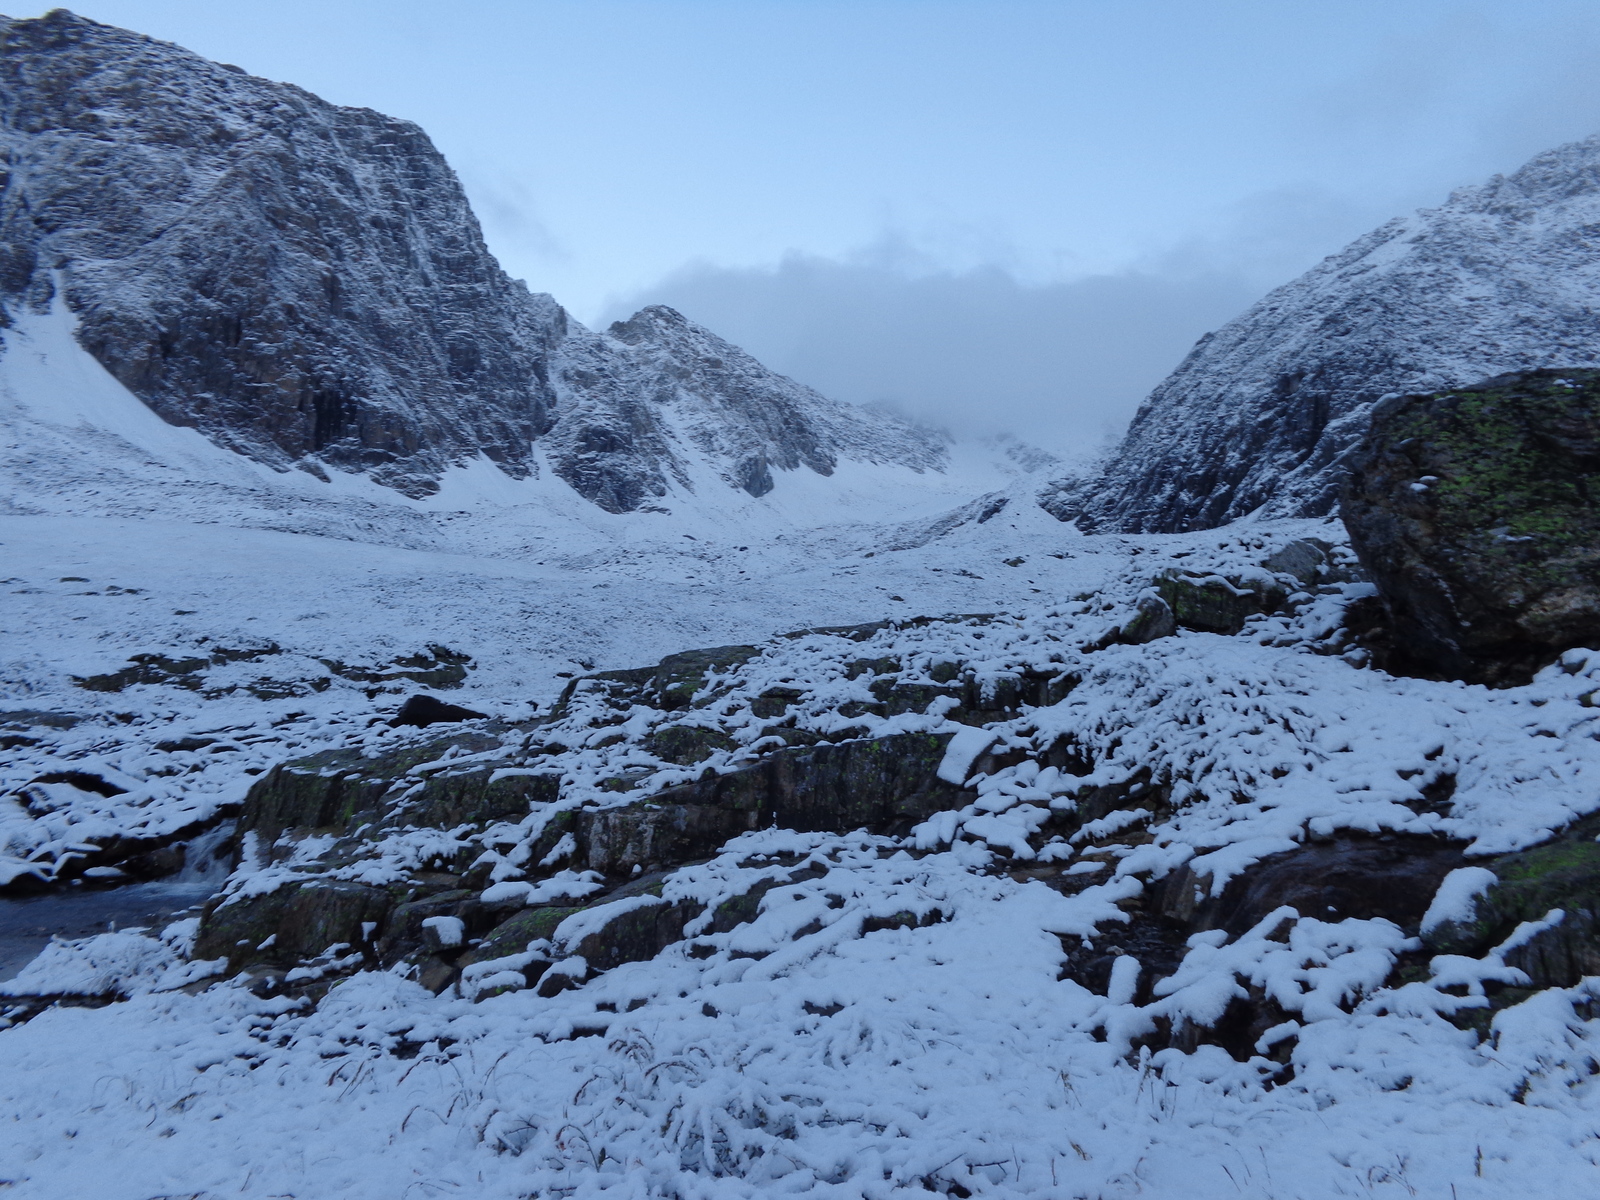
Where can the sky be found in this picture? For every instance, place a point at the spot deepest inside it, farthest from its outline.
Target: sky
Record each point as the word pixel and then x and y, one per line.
pixel 994 216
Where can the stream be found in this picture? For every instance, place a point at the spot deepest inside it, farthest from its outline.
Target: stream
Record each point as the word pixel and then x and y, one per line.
pixel 27 923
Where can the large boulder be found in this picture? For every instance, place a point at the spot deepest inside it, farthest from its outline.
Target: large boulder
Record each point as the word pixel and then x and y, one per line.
pixel 1475 512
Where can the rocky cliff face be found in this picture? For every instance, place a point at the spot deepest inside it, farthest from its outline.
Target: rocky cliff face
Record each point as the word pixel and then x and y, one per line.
pixel 640 406
pixel 1501 278
pixel 307 285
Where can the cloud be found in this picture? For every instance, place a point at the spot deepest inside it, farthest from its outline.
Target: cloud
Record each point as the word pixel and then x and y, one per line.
pixel 1063 365
pixel 509 213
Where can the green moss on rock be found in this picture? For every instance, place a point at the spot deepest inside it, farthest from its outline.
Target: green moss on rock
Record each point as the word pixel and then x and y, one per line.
pixel 1215 605
pixel 1475 512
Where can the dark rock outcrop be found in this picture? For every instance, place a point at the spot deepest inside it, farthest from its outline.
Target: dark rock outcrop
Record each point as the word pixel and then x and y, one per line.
pixel 882 784
pixel 1475 513
pixel 1390 876
pixel 303 283
pixel 306 284
pixel 1212 604
pixel 1500 278
pixel 423 710
pixel 1562 875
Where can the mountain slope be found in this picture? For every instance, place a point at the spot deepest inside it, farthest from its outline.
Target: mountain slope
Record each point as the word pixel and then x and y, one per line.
pixel 307 285
pixel 639 405
pixel 1502 277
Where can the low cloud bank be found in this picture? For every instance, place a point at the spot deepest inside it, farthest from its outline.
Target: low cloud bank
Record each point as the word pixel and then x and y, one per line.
pixel 1062 365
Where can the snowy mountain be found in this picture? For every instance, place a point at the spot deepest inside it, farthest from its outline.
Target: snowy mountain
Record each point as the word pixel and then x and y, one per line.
pixel 1502 277
pixel 810 822
pixel 306 285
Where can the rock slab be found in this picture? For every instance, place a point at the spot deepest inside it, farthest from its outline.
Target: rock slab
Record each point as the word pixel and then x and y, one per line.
pixel 1474 510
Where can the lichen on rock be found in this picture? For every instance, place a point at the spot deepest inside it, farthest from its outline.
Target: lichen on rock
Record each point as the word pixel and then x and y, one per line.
pixel 1475 512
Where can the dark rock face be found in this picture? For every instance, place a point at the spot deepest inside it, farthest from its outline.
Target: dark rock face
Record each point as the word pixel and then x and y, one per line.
pixel 1475 513
pixel 658 390
pixel 1500 278
pixel 883 784
pixel 1216 605
pixel 306 284
pixel 299 281
pixel 1394 877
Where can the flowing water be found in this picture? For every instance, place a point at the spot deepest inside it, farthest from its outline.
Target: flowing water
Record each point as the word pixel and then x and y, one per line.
pixel 27 923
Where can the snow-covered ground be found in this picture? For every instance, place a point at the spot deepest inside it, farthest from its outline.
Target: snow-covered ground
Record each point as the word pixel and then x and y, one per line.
pixel 129 537
pixel 824 1049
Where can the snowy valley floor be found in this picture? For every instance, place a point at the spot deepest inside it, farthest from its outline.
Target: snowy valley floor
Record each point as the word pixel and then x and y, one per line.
pixel 176 621
pixel 849 1059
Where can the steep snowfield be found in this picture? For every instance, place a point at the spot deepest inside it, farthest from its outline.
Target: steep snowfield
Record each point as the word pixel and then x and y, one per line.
pixel 76 442
pixel 1501 277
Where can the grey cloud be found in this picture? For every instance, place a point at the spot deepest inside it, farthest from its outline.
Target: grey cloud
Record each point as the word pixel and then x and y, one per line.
pixel 1063 365
pixel 509 213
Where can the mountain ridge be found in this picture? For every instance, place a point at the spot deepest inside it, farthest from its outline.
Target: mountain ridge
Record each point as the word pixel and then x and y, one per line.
pixel 307 285
pixel 1260 414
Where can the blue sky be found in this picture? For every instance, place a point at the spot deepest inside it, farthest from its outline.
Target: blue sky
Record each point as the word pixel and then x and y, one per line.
pixel 850 188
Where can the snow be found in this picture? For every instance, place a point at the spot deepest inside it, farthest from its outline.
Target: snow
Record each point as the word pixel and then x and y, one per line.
pixel 894 1020
pixel 1457 897
pixel 845 1064
pixel 449 930
pixel 962 752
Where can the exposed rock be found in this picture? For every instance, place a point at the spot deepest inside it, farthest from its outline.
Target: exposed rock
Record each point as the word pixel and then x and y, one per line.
pixel 1502 277
pixel 324 791
pixel 299 281
pixel 1154 619
pixel 1306 559
pixel 689 744
pixel 1474 512
pixel 437 666
pixel 671 684
pixel 404 930
pixel 27 718
pixel 307 285
pixel 336 789
pixel 1561 875
pixel 882 784
pixel 636 932
pixel 293 923
pixel 1391 876
pixel 1213 604
pixel 423 710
